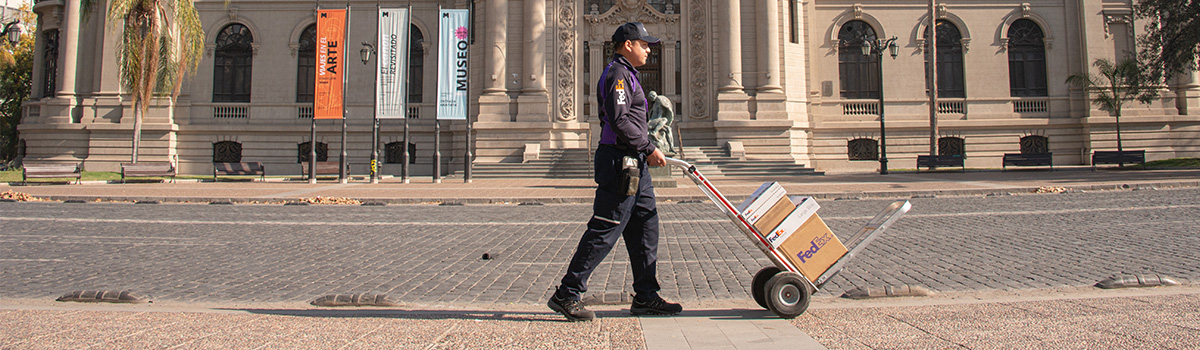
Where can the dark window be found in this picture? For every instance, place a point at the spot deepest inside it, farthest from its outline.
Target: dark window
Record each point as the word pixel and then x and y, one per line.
pixel 416 65
pixel 952 146
pixel 50 74
pixel 863 149
pixel 231 70
pixel 1035 144
pixel 949 60
pixel 394 153
pixel 678 69
pixel 858 73
pixel 306 65
pixel 649 74
pixel 1026 59
pixel 303 150
pixel 227 152
pixel 794 20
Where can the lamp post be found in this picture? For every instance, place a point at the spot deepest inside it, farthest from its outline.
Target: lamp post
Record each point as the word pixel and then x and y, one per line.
pixel 365 53
pixel 12 31
pixel 875 48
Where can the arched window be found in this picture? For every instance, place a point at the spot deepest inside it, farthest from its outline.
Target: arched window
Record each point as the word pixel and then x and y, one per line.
pixel 858 73
pixel 416 65
pixel 952 146
pixel 304 149
pixel 306 64
pixel 227 152
pixel 863 149
pixel 231 67
pixel 1026 59
pixel 949 60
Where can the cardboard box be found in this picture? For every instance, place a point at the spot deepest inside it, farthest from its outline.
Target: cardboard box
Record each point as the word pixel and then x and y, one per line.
pixel 805 208
pixel 762 201
pixel 775 215
pixel 813 248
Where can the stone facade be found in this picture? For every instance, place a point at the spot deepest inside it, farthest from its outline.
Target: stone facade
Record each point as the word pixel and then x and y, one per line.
pixel 763 76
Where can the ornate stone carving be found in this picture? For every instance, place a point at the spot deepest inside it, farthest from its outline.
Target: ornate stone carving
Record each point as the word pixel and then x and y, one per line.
pixel 566 60
pixel 1117 17
pixel 631 11
pixel 858 11
pixel 699 99
pixel 1025 10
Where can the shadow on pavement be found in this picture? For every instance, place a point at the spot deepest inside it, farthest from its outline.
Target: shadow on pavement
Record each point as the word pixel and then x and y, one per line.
pixel 492 315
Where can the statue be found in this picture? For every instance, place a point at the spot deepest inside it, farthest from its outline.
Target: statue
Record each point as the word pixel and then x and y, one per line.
pixel 661 115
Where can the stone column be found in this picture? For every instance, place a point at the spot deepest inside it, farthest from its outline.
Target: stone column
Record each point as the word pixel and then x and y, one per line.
pixel 731 47
pixel 596 53
pixel 769 98
pixel 533 105
pixel 496 43
pixel 732 102
pixel 668 67
pixel 768 47
pixel 493 103
pixel 70 50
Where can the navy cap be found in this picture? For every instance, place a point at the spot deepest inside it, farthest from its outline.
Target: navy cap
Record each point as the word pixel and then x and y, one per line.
pixel 632 31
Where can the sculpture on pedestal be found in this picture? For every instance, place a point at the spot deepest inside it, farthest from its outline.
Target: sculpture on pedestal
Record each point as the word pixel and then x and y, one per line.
pixel 661 115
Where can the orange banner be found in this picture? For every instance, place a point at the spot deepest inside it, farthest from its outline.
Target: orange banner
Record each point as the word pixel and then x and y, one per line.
pixel 331 37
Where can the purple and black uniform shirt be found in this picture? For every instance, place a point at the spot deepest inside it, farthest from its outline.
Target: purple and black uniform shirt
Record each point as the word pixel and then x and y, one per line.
pixel 623 108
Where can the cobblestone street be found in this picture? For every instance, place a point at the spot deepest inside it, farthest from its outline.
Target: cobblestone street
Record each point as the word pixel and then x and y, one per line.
pixel 432 254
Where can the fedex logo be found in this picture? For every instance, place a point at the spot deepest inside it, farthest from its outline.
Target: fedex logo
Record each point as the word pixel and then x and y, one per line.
pixel 817 243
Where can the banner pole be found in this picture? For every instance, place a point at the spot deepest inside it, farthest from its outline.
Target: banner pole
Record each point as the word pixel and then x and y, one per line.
pixel 312 140
pixel 405 155
pixel 467 161
pixel 375 105
pixel 342 176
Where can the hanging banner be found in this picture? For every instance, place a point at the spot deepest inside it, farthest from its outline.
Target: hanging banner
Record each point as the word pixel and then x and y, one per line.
pixel 391 76
pixel 453 41
pixel 331 35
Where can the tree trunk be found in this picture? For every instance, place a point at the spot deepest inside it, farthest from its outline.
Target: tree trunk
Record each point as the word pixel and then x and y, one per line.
pixel 137 128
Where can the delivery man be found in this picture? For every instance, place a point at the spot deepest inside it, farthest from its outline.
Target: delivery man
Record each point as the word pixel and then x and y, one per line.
pixel 625 203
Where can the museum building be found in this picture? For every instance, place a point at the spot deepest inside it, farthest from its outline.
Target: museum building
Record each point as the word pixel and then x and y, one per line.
pixel 756 81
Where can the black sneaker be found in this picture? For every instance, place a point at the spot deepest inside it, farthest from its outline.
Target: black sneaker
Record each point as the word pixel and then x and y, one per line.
pixel 656 306
pixel 572 309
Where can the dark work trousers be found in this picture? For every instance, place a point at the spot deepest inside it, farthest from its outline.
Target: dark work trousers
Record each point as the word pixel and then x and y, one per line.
pixel 615 214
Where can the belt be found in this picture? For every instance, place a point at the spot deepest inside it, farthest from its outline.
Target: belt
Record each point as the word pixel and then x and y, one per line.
pixel 619 147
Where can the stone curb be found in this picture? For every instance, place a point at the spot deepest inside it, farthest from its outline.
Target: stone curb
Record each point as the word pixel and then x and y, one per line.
pixel 668 198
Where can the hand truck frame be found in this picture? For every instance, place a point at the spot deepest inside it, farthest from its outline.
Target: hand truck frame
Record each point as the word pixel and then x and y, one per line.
pixel 782 288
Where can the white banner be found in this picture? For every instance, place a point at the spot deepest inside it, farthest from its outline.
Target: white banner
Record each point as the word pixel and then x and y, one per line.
pixel 391 76
pixel 453 40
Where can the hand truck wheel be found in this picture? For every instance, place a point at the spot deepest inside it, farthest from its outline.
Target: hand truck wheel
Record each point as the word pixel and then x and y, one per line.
pixel 758 288
pixel 787 295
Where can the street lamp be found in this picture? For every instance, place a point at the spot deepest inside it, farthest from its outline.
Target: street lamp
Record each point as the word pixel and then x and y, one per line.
pixel 875 48
pixel 12 30
pixel 365 53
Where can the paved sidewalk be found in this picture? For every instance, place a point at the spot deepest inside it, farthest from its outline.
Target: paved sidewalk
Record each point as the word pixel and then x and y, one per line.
pixel 1066 318
pixel 423 190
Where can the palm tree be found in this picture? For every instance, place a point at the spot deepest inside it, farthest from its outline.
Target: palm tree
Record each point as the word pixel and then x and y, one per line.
pixel 1117 83
pixel 161 40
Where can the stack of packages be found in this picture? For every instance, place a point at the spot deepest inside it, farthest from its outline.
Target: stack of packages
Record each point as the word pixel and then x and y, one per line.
pixel 792 226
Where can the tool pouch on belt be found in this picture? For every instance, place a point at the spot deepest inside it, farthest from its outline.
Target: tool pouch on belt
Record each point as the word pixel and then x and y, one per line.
pixel 629 175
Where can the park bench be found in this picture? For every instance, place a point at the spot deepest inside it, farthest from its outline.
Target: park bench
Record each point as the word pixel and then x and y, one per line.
pixel 252 168
pixel 1118 157
pixel 50 171
pixel 932 161
pixel 1028 159
pixel 323 168
pixel 148 169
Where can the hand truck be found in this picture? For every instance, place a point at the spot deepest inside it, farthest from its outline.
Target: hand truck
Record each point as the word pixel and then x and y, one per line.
pixel 782 288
